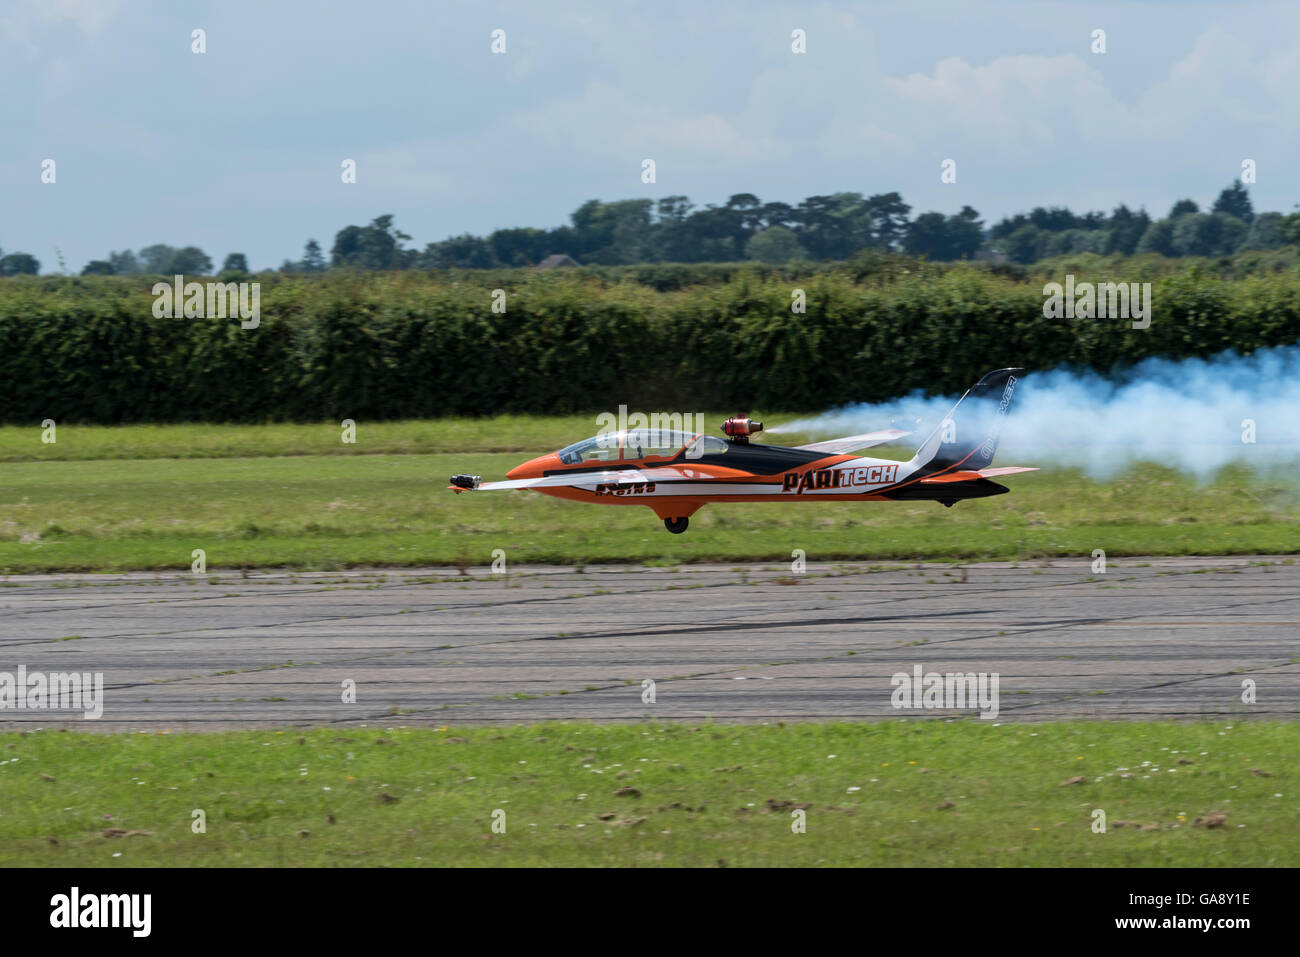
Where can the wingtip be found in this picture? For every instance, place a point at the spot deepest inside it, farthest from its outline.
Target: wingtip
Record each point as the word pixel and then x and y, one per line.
pixel 1007 470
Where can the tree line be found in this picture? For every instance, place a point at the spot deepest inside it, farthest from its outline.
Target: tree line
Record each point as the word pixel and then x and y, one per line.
pixel 369 346
pixel 820 228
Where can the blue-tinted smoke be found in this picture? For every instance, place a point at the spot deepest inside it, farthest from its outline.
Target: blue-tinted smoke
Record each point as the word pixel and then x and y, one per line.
pixel 1189 413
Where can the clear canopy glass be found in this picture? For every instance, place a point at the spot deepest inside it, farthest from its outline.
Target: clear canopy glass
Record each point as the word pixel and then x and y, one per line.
pixel 637 444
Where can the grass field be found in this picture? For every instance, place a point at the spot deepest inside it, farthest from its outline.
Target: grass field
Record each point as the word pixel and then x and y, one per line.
pixel 924 793
pixel 142 497
pixel 919 793
pixel 504 433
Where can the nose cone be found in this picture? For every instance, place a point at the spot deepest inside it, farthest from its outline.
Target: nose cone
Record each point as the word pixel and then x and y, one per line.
pixel 535 468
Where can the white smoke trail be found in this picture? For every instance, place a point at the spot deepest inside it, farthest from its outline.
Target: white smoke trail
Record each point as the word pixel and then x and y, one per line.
pixel 1189 414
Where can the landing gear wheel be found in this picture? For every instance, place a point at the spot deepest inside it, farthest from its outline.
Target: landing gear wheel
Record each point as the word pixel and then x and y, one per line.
pixel 676 525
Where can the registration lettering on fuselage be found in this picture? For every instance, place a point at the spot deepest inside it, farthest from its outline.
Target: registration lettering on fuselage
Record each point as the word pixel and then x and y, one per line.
pixel 626 488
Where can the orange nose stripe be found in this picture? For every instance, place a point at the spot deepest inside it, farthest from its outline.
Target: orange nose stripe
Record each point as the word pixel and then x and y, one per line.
pixel 534 468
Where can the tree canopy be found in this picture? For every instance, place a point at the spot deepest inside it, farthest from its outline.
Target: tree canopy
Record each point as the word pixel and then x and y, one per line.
pixel 833 226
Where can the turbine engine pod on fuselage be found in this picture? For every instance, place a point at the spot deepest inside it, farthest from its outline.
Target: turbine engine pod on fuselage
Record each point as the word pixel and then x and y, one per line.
pixel 739 428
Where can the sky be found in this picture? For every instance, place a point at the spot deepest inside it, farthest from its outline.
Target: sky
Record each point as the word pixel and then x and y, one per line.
pixel 240 148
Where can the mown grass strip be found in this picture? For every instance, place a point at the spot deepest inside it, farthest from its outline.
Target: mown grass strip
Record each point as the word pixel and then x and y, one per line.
pixel 328 512
pixel 895 793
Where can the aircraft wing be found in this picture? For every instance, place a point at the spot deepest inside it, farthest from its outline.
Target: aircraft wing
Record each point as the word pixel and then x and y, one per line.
pixel 851 443
pixel 603 477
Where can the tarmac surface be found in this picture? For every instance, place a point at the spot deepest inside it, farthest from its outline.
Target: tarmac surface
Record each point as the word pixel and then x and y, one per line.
pixel 1148 638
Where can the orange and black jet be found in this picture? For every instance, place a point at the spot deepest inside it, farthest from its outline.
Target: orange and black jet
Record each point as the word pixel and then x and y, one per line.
pixel 676 473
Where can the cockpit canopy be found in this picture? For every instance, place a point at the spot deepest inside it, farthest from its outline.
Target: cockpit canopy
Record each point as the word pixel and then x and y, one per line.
pixel 636 444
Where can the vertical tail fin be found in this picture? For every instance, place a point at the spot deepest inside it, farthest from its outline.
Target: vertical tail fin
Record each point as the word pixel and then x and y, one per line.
pixel 968 437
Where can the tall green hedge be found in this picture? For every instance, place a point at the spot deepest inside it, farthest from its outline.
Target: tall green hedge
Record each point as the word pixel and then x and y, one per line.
pixel 392 345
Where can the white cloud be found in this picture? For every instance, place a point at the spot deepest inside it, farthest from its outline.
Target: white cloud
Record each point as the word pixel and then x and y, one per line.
pixel 1011 105
pixel 21 20
pixel 1223 85
pixel 619 125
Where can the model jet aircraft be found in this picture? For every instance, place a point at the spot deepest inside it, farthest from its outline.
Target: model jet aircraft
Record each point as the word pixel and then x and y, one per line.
pixel 677 473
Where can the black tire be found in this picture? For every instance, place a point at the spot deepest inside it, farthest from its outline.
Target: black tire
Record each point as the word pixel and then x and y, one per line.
pixel 676 525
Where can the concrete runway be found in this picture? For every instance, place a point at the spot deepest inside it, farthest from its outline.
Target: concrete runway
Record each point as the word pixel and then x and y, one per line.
pixel 1149 638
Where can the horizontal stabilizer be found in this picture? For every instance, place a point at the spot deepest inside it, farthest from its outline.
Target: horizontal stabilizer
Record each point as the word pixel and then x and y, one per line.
pixel 972 475
pixel 851 443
